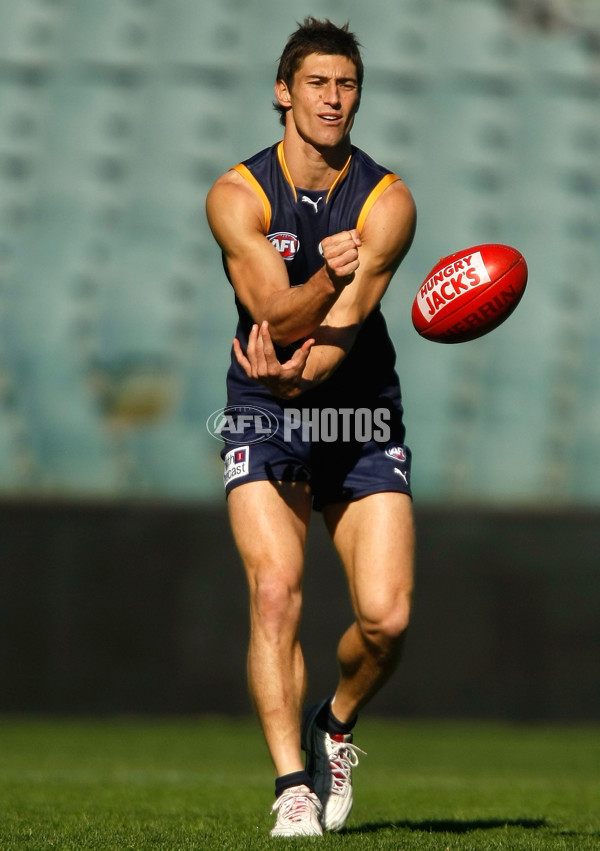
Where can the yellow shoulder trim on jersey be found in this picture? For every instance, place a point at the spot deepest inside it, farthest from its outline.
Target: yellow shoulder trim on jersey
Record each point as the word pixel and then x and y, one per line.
pixel 284 168
pixel 373 196
pixel 340 177
pixel 247 175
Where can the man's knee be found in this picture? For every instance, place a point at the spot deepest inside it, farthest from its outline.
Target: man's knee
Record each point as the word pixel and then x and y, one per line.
pixel 384 626
pixel 275 603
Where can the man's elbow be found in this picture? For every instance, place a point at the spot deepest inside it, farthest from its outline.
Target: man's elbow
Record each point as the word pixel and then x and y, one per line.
pixel 288 334
pixel 284 340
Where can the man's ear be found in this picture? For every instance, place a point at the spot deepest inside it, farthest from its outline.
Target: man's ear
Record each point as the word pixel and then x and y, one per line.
pixel 282 93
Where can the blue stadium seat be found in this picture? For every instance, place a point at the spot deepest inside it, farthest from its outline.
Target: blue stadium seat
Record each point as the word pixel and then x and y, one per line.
pixel 477 41
pixel 72 450
pixel 30 33
pixel 16 458
pixel 177 460
pixel 115 33
pixel 207 35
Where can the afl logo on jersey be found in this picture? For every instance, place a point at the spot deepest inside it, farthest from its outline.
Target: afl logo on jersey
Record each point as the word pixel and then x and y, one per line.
pixel 286 243
pixel 397 453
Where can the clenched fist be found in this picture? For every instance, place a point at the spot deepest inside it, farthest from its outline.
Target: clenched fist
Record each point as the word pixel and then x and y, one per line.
pixel 340 251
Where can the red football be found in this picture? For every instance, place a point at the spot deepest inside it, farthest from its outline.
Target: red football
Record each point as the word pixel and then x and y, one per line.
pixel 469 293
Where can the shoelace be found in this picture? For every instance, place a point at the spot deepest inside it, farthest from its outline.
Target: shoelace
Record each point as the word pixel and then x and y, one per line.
pixel 294 805
pixel 342 759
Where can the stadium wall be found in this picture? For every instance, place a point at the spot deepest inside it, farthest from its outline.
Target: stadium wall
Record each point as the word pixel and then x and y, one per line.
pixel 141 608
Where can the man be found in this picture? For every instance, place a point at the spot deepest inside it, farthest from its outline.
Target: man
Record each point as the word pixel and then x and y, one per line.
pixel 312 231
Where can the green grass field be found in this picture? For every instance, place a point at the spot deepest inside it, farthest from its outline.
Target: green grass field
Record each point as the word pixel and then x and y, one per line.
pixel 207 784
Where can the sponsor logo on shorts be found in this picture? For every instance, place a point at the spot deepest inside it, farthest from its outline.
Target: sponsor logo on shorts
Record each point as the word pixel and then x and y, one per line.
pixel 287 244
pixel 237 463
pixel 242 424
pixel 396 452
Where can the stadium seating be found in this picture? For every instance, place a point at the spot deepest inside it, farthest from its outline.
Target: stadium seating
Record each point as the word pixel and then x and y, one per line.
pixel 30 33
pixel 115 34
pixel 116 117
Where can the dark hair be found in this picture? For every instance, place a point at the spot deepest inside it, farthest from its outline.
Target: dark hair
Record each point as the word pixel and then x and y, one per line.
pixel 314 36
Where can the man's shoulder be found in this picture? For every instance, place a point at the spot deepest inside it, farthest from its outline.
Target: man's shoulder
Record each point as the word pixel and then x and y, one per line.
pixel 363 161
pixel 233 200
pixel 382 177
pixel 228 186
pixel 263 156
pixel 235 172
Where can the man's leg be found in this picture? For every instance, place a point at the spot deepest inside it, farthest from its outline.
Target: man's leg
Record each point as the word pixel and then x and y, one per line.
pixel 375 539
pixel 269 524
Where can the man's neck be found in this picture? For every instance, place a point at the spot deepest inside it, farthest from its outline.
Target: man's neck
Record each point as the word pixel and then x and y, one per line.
pixel 313 168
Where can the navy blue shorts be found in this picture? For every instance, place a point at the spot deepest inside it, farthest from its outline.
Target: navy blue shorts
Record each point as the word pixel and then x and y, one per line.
pixel 343 454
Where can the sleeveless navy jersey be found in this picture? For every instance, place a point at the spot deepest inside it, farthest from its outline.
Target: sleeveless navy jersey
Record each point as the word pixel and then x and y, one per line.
pixel 296 220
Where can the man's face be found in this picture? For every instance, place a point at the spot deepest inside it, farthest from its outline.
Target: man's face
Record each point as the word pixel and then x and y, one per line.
pixel 324 98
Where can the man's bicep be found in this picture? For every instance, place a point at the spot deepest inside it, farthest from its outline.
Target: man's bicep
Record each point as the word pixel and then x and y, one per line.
pixel 386 238
pixel 256 271
pixel 255 268
pixel 389 230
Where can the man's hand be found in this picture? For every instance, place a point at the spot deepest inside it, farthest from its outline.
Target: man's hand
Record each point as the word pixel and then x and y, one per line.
pixel 261 363
pixel 340 252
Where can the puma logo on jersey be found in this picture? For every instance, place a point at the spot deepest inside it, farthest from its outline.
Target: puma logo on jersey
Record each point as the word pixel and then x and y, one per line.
pixel 314 204
pixel 286 243
pixel 402 474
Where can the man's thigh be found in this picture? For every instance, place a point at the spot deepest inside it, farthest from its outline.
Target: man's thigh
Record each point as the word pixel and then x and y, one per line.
pixel 374 537
pixel 269 521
